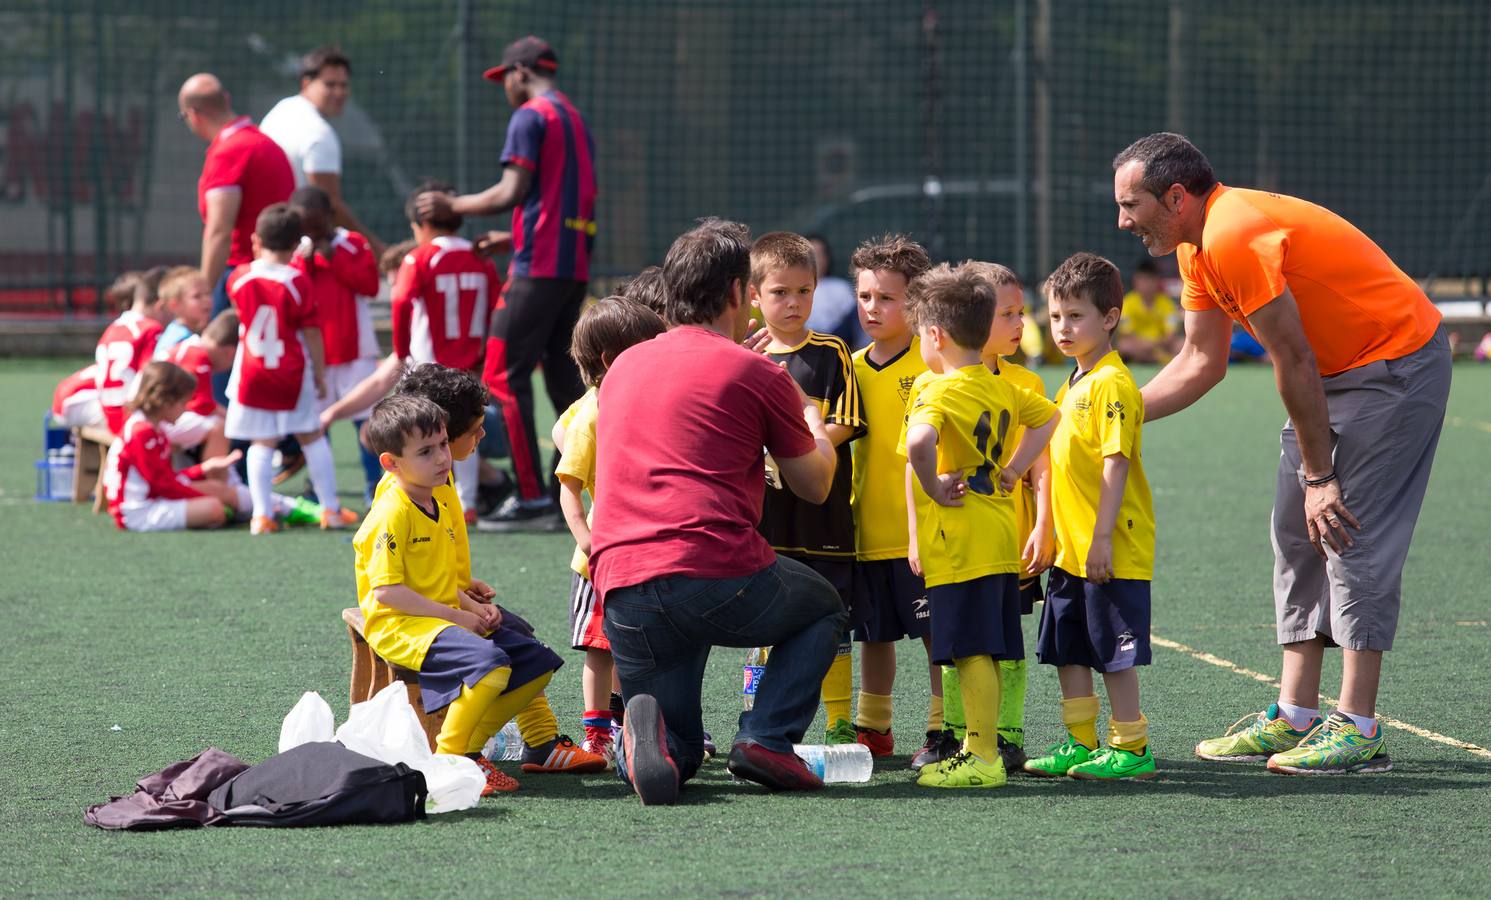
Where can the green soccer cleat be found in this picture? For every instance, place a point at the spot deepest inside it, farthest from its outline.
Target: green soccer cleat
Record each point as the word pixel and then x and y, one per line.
pixel 303 512
pixel 1113 764
pixel 1058 759
pixel 1335 747
pixel 1268 733
pixel 963 771
pixel 840 732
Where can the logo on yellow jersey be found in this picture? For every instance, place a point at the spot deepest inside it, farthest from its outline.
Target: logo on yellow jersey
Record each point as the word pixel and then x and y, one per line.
pixel 1115 410
pixel 385 540
pixel 904 386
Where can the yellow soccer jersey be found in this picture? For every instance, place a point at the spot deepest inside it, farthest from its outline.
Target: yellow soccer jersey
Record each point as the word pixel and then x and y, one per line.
pixel 568 416
pixel 399 543
pixel 1101 414
pixel 1020 377
pixel 1153 323
pixel 879 498
pixel 973 412
pixel 578 460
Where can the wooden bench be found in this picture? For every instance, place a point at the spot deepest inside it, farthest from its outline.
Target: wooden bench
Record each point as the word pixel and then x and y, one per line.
pixel 92 445
pixel 371 674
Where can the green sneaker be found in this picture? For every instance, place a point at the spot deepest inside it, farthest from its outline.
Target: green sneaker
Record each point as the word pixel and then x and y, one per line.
pixel 303 512
pixel 840 732
pixel 1058 759
pixel 1335 747
pixel 964 771
pixel 1268 733
pixel 1113 764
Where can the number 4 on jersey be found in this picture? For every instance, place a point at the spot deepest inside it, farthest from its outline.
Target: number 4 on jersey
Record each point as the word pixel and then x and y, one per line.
pixel 264 337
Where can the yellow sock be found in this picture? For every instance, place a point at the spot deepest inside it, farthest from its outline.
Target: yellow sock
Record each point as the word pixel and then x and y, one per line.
pixel 979 678
pixel 838 687
pixel 1080 716
pixel 503 709
pixel 467 712
pixel 934 714
pixel 874 711
pixel 1130 736
pixel 536 722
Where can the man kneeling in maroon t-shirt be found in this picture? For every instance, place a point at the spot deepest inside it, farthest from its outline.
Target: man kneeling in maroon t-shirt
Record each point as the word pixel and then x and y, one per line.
pixel 675 553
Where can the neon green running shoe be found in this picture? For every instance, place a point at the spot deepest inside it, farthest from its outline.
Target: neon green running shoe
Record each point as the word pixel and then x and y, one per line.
pixel 1058 759
pixel 840 732
pixel 964 771
pixel 1267 733
pixel 303 512
pixel 1335 747
pixel 1113 764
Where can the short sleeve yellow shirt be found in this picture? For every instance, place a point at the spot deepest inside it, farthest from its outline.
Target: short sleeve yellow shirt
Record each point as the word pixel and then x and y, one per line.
pixel 1021 377
pixel 879 498
pixel 1101 415
pixel 578 459
pixel 399 543
pixel 973 412
pixel 1153 321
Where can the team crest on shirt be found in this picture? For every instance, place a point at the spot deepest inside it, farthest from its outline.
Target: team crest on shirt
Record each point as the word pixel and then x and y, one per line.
pixel 1081 407
pixel 385 540
pixel 903 385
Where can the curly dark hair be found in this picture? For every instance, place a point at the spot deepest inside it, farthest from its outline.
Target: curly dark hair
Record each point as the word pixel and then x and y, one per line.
pixel 460 395
pixel 891 252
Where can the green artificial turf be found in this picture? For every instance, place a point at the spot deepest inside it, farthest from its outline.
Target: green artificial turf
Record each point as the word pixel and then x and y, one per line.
pixel 187 641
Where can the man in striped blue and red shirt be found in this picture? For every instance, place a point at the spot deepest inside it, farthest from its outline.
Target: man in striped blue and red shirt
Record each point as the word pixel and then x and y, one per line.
pixel 548 182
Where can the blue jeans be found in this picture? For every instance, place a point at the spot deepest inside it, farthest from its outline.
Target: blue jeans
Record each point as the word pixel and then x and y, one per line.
pixel 661 632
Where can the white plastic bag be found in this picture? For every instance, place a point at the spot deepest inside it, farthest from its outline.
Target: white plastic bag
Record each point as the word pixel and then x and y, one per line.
pixel 309 721
pixel 387 729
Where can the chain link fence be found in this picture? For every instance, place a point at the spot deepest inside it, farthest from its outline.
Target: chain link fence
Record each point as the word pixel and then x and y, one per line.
pixel 983 128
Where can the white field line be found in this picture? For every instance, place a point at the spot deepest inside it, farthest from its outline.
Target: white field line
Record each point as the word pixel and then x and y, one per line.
pixel 1236 669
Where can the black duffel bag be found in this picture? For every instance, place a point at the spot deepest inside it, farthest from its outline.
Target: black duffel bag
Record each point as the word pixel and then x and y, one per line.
pixel 321 784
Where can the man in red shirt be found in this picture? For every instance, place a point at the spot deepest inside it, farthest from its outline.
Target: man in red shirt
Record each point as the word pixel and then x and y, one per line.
pixel 675 552
pixel 244 172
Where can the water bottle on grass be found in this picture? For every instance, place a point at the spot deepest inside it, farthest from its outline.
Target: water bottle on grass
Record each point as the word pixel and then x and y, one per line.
pixel 506 745
pixel 837 762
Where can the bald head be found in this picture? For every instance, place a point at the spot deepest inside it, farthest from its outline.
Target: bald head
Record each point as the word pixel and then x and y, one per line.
pixel 204 105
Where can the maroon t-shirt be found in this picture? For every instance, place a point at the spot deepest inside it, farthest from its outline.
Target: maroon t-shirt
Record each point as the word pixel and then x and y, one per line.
pixel 679 476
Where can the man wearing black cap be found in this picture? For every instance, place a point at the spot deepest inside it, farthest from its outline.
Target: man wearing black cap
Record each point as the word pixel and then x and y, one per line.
pixel 548 181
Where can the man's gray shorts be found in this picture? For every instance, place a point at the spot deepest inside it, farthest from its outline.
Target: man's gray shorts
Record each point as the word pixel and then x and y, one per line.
pixel 1385 418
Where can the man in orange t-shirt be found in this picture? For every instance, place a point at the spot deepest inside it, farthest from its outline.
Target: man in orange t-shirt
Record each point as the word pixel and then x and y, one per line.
pixel 1363 367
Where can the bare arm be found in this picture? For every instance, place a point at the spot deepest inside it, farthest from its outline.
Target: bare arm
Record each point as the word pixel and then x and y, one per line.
pixel 1032 445
pixel 945 489
pixel 503 195
pixel 367 392
pixel 1100 555
pixel 331 183
pixel 913 554
pixel 406 600
pixel 1199 366
pixel 311 337
pixel 1282 334
pixel 217 233
pixel 838 434
pixel 573 507
pixel 1040 547
pixel 812 475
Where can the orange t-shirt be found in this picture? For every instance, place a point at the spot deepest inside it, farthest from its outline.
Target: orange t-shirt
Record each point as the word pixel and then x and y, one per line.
pixel 1356 305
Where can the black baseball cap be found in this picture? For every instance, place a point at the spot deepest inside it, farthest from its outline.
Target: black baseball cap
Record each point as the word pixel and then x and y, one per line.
pixel 530 52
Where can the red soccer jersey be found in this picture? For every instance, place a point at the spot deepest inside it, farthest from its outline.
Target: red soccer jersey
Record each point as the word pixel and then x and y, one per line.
pixel 192 356
pixel 274 302
pixel 139 469
pixel 342 287
pixel 245 160
pixel 123 350
pixel 77 388
pixel 442 304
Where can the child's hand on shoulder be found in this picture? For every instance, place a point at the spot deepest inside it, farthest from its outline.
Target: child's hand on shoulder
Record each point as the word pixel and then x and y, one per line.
pixel 948 489
pixel 1100 560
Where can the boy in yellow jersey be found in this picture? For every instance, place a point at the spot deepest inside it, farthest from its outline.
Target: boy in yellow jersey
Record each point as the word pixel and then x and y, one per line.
pixel 421 609
pixel 604 330
pixel 784 274
pixel 462 398
pixel 1096 616
pixel 1032 497
pixel 1150 331
pixel 894 597
pixel 968 539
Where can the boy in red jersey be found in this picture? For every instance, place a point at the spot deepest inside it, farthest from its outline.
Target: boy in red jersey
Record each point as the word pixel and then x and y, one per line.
pixel 126 346
pixel 443 298
pixel 278 373
pixel 343 272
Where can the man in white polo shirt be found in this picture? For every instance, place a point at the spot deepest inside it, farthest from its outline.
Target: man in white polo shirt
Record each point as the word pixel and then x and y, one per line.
pixel 299 125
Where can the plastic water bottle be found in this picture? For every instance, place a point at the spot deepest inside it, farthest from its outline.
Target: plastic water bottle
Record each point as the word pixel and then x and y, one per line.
pixel 60 463
pixel 755 665
pixel 837 763
pixel 506 745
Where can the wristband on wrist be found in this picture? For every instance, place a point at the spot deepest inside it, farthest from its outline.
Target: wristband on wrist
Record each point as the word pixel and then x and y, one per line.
pixel 1322 481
